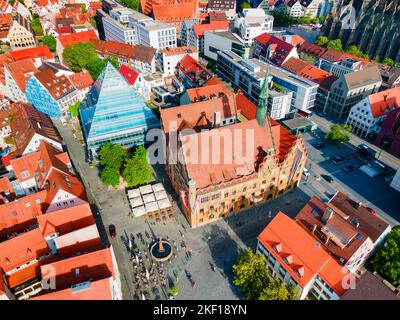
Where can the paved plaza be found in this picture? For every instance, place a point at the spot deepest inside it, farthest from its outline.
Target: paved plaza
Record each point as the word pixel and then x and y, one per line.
pixel 215 244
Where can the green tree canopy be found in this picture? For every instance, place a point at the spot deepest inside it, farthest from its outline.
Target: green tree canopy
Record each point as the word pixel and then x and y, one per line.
pixel 83 9
pixel 74 109
pixel 245 5
pixel 112 156
pixel 338 133
pixel 133 4
pixel 174 290
pixel 387 260
pixel 277 290
pixel 322 41
pixel 95 66
pixel 356 52
pixel 109 176
pixel 137 171
pixel 335 45
pixel 113 61
pixel 78 55
pixel 388 61
pixel 250 274
pixel 281 17
pixel 36 25
pixel 93 21
pixel 50 42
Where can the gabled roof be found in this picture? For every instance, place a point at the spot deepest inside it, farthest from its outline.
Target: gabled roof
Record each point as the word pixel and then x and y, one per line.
pixel 81 80
pixel 77 240
pixel 307 254
pixel 32 53
pixel 208 92
pixel 74 38
pixel 280 48
pixel 221 4
pixel 362 78
pixel 384 101
pixel 110 47
pixel 66 220
pixel 57 86
pixel 312 49
pixel 6 189
pixel 212 26
pixel 178 50
pixel 174 13
pixel 129 74
pixel 24 167
pixel 144 53
pixel 306 70
pixel 21 71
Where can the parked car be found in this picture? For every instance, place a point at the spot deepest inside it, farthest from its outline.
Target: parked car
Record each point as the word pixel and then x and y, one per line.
pixel 320 145
pixel 327 178
pixel 338 159
pixel 112 230
pixel 371 211
pixel 306 172
pixel 63 121
pixel 348 169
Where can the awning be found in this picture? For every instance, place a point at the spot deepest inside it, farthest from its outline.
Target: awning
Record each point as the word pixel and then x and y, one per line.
pixel 139 211
pixel 157 187
pixel 164 203
pixel 161 195
pixel 134 193
pixel 148 198
pixel 145 189
pixel 136 202
pixel 151 206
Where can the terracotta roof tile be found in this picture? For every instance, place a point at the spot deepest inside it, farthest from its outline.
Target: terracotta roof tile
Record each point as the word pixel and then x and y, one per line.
pixel 31 53
pixel 199 29
pixel 21 71
pixel 174 13
pixel 74 38
pixel 129 74
pixel 81 80
pixel 384 101
pixel 57 86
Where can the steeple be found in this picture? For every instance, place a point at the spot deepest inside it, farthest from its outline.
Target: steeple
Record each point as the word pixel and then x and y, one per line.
pixel 262 106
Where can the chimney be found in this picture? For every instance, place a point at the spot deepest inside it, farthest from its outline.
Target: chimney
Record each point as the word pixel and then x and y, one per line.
pixel 327 240
pixel 217 119
pixel 328 213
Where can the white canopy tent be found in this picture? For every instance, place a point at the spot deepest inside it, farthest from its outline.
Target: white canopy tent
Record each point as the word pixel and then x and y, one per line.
pixel 151 207
pixel 157 187
pixel 134 193
pixel 145 189
pixel 136 202
pixel 148 198
pixel 164 203
pixel 160 195
pixel 139 211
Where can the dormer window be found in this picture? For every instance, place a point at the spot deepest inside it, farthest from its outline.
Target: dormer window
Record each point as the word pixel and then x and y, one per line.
pixel 278 247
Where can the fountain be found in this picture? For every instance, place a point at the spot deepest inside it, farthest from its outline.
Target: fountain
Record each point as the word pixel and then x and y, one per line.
pixel 161 250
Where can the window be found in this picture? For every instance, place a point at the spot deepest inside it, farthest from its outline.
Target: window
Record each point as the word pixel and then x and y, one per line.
pixel 25 174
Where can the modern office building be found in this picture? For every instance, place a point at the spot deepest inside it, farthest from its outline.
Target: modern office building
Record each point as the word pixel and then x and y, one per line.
pixel 248 74
pixel 113 112
pixel 250 23
pixel 215 41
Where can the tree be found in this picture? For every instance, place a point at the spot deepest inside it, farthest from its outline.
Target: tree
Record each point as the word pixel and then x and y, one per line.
pixel 387 259
pixel 356 52
pixel 338 133
pixel 133 4
pixel 397 64
pixel 250 274
pixel 388 61
pixel 114 61
pixel 335 45
pixel 113 156
pixel 50 42
pixel 78 55
pixel 277 290
pixel 95 66
pixel 137 171
pixel 376 59
pixel 109 176
pixel 93 22
pixel 36 25
pixel 83 9
pixel 281 17
pixel 322 41
pixel 245 5
pixel 174 290
pixel 74 109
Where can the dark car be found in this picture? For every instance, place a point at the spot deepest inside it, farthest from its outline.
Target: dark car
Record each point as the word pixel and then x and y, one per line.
pixel 327 178
pixel 112 230
pixel 338 159
pixel 320 145
pixel 348 169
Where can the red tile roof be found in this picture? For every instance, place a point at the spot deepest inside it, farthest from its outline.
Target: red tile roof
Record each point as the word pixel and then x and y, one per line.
pixel 93 265
pixel 25 209
pixel 245 106
pixel 294 39
pixel 129 74
pixel 384 101
pixel 5 59
pixel 208 92
pixel 74 38
pixel 21 71
pixel 62 31
pixel 24 167
pixel 178 50
pixel 194 70
pixel 31 53
pixel 6 187
pixel 97 290
pixel 174 13
pixel 306 70
pixel 281 48
pixel 6 19
pixel 57 86
pixel 147 5
pixel 81 80
pixel 307 254
pixel 311 49
pixel 66 220
pixel 199 29
pixel 114 48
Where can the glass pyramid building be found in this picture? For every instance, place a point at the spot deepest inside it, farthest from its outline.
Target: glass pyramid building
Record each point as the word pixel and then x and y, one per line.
pixel 113 112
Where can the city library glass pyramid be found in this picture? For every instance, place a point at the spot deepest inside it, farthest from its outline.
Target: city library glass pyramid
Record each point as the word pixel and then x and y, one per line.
pixel 113 112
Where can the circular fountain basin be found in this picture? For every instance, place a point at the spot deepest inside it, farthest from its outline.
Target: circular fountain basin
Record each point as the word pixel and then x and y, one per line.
pixel 159 256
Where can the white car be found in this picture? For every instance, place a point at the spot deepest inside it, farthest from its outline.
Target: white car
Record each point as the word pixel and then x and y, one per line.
pixel 306 172
pixel 63 122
